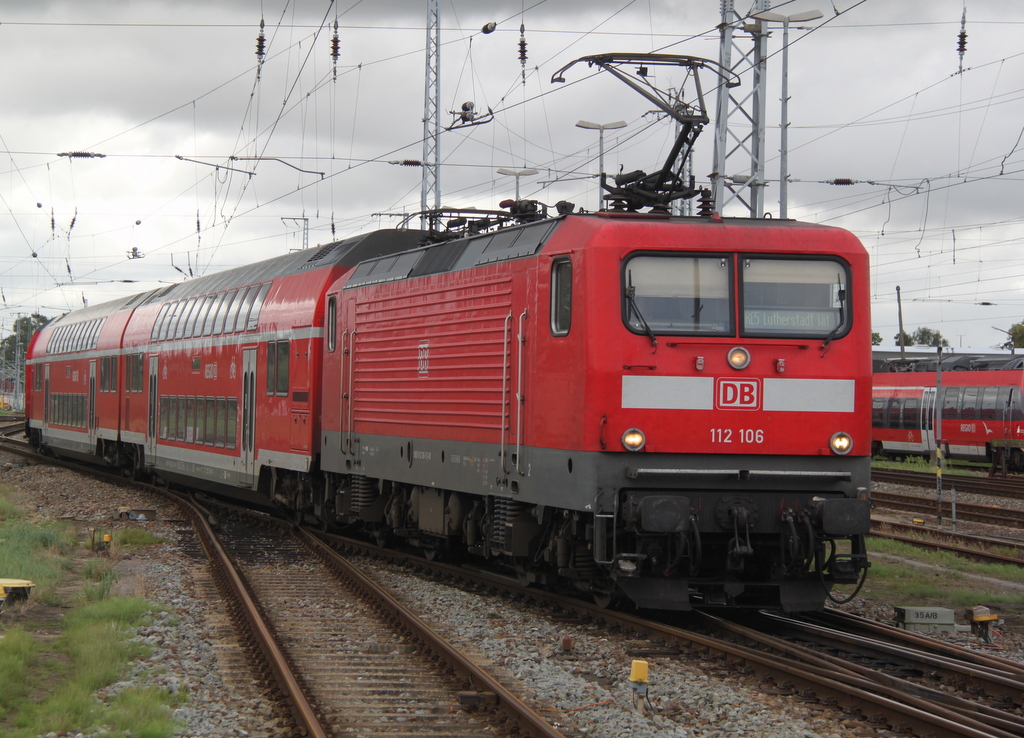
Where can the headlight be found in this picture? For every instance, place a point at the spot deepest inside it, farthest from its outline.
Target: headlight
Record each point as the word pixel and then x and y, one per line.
pixel 739 357
pixel 633 439
pixel 841 443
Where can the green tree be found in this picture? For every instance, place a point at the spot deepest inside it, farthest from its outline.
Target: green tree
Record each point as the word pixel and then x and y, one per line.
pixel 908 340
pixel 13 347
pixel 876 339
pixel 927 337
pixel 1015 336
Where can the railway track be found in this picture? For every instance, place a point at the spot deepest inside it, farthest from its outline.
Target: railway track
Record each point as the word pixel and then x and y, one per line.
pixel 990 514
pixel 289 596
pixel 869 693
pixel 996 487
pixel 978 548
pixel 364 663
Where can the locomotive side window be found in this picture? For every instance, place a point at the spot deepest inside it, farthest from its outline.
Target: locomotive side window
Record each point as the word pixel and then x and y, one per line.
pixel 794 297
pixel 331 324
pixel 682 295
pixel 561 297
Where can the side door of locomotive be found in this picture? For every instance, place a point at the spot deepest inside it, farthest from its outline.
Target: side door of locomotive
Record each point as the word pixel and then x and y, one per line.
pixel 524 318
pixel 248 417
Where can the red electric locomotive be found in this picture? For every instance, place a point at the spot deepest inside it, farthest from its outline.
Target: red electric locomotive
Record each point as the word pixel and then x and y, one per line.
pixel 671 409
pixel 981 406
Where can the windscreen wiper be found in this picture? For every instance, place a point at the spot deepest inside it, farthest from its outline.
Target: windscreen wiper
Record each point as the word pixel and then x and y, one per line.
pixel 634 310
pixel 841 296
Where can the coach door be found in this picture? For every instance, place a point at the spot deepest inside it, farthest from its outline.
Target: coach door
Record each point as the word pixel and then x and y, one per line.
pixel 349 446
pixel 90 420
pixel 46 396
pixel 928 411
pixel 154 409
pixel 248 416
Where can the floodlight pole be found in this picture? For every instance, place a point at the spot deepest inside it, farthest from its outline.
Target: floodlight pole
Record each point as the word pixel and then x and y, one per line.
pixel 517 173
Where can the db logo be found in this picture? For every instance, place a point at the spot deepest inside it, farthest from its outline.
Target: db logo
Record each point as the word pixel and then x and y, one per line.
pixel 738 395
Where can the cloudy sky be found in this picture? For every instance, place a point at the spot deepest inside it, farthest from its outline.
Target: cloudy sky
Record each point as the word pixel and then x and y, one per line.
pixel 210 160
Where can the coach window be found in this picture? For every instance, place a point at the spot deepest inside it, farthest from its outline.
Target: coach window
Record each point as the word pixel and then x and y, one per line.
pixel 163 417
pixel 113 374
pixel 912 413
pixel 232 416
pixel 254 314
pixel 969 405
pixel 222 312
pixel 211 420
pixel 137 372
pixel 211 313
pixel 105 374
pixel 283 348
pixel 561 297
pixel 680 295
pixel 893 419
pixel 271 366
pixel 246 305
pixel 332 323
pixel 179 330
pixel 232 311
pixel 190 420
pixel 182 417
pixel 203 317
pixel 200 436
pixel 989 403
pixel 950 400
pixel 878 412
pixel 794 297
pixel 222 421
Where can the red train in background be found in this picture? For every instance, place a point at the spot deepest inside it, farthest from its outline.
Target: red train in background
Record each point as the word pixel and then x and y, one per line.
pixel 673 410
pixel 980 402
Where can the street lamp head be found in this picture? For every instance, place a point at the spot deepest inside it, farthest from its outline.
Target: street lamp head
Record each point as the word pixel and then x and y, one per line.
pixel 518 172
pixel 600 126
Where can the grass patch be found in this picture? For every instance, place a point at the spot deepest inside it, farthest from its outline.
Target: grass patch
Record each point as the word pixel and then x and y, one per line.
pixel 136 537
pixel 91 653
pixel 936 578
pixel 40 553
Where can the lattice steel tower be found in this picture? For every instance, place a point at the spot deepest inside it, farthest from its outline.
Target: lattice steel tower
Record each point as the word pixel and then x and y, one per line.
pixel 740 122
pixel 432 112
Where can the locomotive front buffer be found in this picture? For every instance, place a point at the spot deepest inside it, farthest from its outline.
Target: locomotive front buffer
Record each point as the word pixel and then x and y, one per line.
pixel 678 549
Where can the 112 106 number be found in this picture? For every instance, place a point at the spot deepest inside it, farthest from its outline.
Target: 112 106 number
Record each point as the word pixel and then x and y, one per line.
pixel 742 435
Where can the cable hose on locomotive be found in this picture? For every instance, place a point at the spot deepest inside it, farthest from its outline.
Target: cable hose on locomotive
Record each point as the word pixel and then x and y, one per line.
pixel 828 592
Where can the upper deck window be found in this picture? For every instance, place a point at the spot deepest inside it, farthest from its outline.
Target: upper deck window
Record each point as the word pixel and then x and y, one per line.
pixel 675 294
pixel 794 297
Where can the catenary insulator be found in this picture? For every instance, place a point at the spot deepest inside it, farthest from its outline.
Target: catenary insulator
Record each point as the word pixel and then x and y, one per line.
pixel 841 181
pixel 261 43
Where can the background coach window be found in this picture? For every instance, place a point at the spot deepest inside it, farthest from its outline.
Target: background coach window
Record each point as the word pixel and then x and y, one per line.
pixel 561 297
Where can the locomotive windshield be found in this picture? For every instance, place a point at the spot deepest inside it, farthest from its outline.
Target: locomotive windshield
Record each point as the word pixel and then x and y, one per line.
pixel 693 295
pixel 793 297
pixel 679 294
